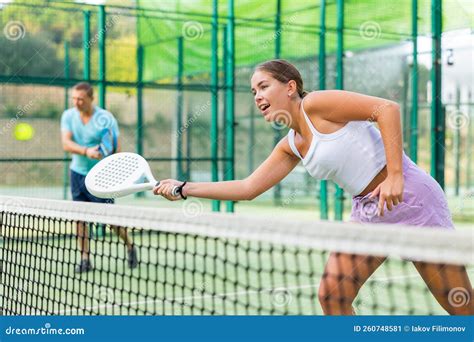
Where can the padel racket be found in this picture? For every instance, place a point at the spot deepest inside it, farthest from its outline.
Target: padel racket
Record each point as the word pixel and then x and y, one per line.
pixel 121 174
pixel 108 144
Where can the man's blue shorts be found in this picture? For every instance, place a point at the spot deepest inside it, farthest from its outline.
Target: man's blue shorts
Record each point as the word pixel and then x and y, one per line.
pixel 80 193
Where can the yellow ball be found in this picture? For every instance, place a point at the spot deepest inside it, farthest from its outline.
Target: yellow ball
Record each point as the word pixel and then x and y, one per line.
pixel 23 132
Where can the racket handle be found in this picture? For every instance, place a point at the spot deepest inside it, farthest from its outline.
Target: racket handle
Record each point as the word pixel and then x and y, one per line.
pixel 174 192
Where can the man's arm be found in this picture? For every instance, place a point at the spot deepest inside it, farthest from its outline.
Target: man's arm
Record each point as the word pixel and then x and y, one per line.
pixel 70 146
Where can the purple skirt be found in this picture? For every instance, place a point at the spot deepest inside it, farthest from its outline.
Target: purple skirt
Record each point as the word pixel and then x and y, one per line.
pixel 424 202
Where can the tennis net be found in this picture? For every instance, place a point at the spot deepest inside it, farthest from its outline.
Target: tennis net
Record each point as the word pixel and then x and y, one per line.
pixel 190 263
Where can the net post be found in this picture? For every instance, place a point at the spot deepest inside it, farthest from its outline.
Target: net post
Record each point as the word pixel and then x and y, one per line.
pixel 66 105
pixel 414 86
pixel 86 46
pixel 139 128
pixel 469 141
pixel 102 50
pixel 457 144
pixel 230 87
pixel 323 187
pixel 179 110
pixel 277 130
pixel 437 110
pixel 216 205
pixel 339 200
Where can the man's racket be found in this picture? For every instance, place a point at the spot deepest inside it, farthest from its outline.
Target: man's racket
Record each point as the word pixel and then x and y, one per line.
pixel 108 144
pixel 121 174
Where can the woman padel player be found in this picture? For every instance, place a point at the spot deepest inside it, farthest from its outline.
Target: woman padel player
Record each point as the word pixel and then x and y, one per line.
pixel 333 134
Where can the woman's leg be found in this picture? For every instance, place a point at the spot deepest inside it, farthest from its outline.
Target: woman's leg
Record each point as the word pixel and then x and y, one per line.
pixel 450 285
pixel 343 277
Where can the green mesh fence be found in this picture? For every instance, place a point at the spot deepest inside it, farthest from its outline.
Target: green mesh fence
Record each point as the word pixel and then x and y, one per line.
pixel 367 24
pixel 39 39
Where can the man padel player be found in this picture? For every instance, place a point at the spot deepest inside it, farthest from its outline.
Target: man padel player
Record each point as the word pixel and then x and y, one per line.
pixel 332 134
pixel 88 132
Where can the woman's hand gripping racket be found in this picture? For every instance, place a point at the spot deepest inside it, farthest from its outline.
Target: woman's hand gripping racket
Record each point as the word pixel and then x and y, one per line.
pixel 121 174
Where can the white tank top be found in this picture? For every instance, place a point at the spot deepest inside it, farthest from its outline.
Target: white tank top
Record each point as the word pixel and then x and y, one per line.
pixel 351 157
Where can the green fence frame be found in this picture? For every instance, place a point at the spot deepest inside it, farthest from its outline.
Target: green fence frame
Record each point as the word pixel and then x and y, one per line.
pixel 229 88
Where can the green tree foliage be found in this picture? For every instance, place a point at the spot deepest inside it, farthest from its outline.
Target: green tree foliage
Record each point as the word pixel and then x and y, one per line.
pixel 29 56
pixel 45 26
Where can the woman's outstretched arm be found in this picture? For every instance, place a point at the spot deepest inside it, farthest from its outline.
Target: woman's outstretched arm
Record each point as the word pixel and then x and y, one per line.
pixel 276 167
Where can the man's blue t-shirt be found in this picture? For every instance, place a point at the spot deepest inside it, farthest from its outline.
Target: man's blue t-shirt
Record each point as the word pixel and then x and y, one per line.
pixel 88 135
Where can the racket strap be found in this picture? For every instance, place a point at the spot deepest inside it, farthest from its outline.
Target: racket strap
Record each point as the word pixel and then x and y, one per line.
pixel 179 190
